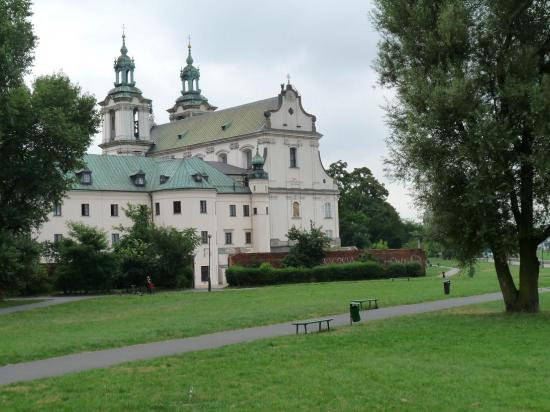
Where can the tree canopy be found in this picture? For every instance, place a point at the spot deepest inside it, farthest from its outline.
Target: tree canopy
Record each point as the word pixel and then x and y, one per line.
pixel 364 213
pixel 44 132
pixel 471 124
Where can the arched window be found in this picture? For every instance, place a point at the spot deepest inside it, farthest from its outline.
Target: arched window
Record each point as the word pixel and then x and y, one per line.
pixel 295 209
pixel 247 154
pixel 328 211
pixel 222 157
pixel 112 132
pixel 265 154
pixel 136 123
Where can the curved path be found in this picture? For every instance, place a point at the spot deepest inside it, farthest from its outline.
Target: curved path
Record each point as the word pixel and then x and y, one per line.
pixel 99 359
pixel 47 301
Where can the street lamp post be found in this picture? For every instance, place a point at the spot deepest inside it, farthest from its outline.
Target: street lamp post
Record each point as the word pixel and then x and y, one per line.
pixel 209 280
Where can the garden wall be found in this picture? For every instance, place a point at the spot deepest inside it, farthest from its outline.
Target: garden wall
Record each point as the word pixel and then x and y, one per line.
pixel 384 256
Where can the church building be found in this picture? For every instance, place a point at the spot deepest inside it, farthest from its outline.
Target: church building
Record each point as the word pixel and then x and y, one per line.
pixel 241 176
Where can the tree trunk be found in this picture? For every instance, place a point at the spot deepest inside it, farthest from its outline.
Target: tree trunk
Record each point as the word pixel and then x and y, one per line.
pixel 528 298
pixel 507 286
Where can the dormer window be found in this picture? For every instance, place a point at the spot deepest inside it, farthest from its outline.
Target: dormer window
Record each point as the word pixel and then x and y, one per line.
pixel 226 126
pixel 86 177
pixel 164 179
pixel 200 177
pixel 139 178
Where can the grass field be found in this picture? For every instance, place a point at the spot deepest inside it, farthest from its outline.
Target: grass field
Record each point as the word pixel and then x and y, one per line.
pixel 17 302
pixel 123 320
pixel 472 358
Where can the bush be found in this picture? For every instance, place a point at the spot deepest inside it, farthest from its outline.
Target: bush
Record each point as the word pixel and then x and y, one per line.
pixel 308 249
pixel 267 275
pixel 84 261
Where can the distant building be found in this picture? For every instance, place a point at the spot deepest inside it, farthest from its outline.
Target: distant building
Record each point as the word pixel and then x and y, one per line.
pixel 242 175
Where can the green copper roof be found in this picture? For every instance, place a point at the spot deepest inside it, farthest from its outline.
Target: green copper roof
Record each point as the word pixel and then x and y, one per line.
pixel 207 127
pixel 114 173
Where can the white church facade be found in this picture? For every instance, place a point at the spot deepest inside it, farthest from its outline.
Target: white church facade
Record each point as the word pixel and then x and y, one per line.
pixel 241 176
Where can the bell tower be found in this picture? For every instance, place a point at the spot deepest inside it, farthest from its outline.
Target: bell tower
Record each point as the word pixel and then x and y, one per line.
pixel 127 115
pixel 191 102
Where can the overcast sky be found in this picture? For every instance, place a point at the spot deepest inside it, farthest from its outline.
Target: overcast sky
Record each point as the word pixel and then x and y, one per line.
pixel 244 50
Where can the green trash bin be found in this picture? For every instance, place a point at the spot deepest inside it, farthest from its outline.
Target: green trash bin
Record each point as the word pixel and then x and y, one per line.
pixel 354 314
pixel 447 286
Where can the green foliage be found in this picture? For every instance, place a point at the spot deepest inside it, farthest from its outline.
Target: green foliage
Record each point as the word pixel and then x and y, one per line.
pixel 267 275
pixel 470 124
pixel 19 267
pixel 16 43
pixel 166 254
pixel 43 135
pixel 364 213
pixel 308 247
pixel 381 244
pixel 84 261
pixel 44 132
pixel 174 248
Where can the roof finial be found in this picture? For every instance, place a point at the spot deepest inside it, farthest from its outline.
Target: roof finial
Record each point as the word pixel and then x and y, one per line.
pixel 123 49
pixel 288 78
pixel 189 58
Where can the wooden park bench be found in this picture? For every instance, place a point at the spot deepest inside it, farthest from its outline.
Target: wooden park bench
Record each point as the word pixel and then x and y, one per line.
pixel 312 321
pixel 370 300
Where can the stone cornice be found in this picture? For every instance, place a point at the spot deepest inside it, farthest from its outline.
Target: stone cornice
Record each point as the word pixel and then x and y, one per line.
pixel 260 133
pixel 114 143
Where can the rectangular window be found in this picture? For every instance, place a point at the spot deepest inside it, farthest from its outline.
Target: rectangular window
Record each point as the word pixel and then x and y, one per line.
pixel 255 211
pixel 232 210
pixel 328 233
pixel 57 237
pixel 228 238
pixel 203 206
pixel 85 208
pixel 157 208
pixel 57 209
pixel 293 158
pixel 204 237
pixel 328 211
pixel 248 237
pixel 115 238
pixel 204 273
pixel 114 210
pixel 246 210
pixel 177 207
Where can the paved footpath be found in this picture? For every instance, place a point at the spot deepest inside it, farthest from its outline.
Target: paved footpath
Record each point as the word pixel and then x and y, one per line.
pixel 48 301
pixel 99 359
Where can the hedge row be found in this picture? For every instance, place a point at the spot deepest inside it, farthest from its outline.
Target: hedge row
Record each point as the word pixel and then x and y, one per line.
pixel 267 275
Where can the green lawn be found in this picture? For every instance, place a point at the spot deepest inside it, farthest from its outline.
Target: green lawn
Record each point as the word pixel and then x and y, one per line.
pixel 122 320
pixel 18 302
pixel 471 358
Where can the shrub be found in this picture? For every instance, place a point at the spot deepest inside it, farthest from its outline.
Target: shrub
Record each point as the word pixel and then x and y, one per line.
pixel 85 263
pixel 309 249
pixel 267 275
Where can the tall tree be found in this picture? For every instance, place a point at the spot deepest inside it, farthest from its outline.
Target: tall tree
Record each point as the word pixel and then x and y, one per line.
pixel 44 131
pixel 471 124
pixel 364 213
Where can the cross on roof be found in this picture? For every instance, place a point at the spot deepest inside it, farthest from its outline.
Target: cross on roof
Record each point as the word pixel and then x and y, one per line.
pixel 288 78
pixel 189 40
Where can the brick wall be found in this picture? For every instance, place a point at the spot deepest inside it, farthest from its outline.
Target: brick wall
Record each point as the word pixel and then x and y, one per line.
pixel 339 256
